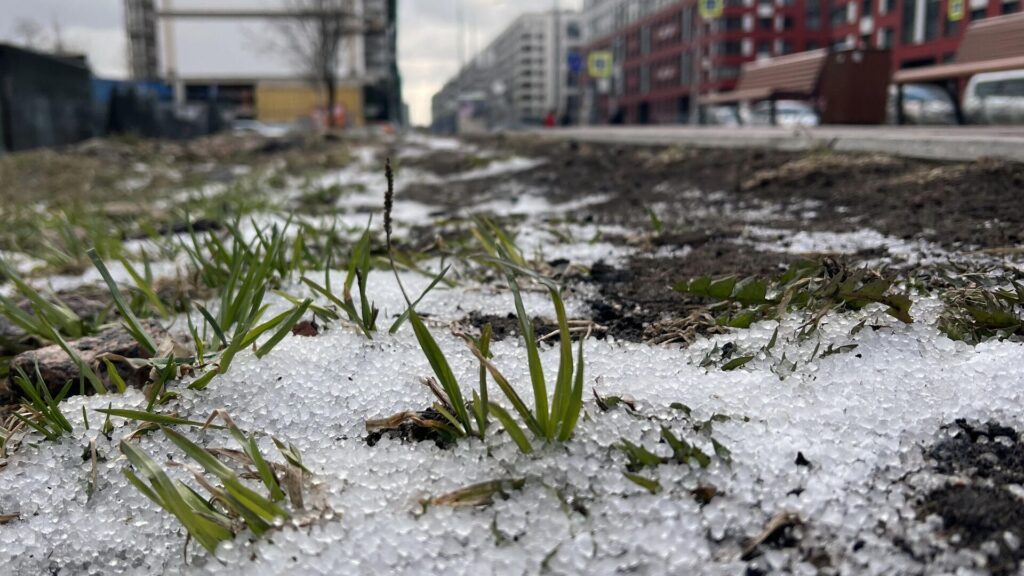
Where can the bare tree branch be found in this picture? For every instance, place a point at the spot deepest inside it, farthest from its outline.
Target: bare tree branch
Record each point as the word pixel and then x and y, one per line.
pixel 313 41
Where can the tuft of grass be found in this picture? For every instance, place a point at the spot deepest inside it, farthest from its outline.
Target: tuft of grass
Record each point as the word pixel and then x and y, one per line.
pixel 131 322
pixel 359 264
pixel 230 505
pixel 48 311
pixel 554 418
pixel 977 313
pixel 809 286
pixel 496 242
pixel 42 411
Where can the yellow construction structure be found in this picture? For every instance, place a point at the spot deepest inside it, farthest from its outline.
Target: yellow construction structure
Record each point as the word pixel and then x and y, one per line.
pixel 290 100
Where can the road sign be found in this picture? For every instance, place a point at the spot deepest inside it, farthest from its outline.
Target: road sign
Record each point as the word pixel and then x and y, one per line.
pixel 599 64
pixel 711 9
pixel 575 62
pixel 956 10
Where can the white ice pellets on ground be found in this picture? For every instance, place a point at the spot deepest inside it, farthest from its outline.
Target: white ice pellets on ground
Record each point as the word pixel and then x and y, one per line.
pixel 860 419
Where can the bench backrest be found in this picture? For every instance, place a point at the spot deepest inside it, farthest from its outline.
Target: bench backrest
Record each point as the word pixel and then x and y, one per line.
pixel 992 39
pixel 793 73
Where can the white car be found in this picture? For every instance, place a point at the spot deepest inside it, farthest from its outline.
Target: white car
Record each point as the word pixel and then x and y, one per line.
pixel 788 113
pixel 995 98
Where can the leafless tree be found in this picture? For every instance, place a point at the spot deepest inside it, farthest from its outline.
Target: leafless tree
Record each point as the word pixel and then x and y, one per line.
pixel 313 40
pixel 30 33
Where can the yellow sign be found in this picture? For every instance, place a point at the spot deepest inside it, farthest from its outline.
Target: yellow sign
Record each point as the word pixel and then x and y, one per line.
pixel 956 10
pixel 711 9
pixel 599 64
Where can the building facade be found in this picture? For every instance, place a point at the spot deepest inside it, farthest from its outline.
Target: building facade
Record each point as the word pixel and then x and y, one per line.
pixel 140 25
pixel 533 68
pixel 664 51
pixel 368 61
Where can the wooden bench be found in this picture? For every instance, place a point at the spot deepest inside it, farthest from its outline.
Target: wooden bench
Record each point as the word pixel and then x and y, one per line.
pixel 845 87
pixel 989 45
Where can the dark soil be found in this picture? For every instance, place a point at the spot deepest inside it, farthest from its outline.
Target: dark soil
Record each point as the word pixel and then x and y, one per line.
pixel 975 505
pixel 946 202
pixel 634 300
pixel 697 195
pixel 507 326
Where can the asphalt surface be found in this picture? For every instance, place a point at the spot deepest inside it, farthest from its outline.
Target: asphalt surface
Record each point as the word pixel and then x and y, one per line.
pixel 935 142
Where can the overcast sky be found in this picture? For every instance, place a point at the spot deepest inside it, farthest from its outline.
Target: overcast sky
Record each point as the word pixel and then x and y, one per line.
pixel 428 38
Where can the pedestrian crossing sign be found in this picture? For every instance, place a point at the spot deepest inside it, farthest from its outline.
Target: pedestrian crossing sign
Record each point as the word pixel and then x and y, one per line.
pixel 955 11
pixel 711 9
pixel 599 64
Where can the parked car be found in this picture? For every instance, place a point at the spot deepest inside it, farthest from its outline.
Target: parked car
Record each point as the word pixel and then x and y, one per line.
pixel 922 104
pixel 721 116
pixel 788 113
pixel 995 98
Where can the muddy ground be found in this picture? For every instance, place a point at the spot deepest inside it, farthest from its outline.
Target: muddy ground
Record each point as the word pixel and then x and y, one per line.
pixel 704 198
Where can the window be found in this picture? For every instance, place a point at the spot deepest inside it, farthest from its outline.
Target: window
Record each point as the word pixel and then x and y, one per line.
pixel 812 15
pixel 979 14
pixel 1014 88
pixel 787 23
pixel 1011 6
pixel 732 23
pixel 866 8
pixel 645 40
pixel 686 68
pixel 907 22
pixel 952 29
pixel 572 31
pixel 764 23
pixel 786 47
pixel 730 48
pixel 837 13
pixel 645 79
pixel 931 20
pixel 687 23
pixel 764 48
pixel 812 45
pixel 885 38
pixel 726 72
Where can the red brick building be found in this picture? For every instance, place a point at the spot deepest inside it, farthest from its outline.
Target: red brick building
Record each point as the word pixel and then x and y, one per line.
pixel 654 69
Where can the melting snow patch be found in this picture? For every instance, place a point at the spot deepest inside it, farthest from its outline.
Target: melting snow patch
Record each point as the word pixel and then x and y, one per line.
pixel 497 168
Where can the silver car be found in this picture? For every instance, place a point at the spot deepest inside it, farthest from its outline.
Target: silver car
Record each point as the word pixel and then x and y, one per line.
pixel 995 98
pixel 922 104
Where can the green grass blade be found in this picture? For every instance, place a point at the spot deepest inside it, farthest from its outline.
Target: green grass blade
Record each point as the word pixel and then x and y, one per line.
pixel 441 369
pixel 83 367
pixel 572 410
pixel 115 377
pixel 564 380
pixel 146 288
pixel 540 392
pixel 217 331
pixel 132 322
pixel 284 328
pixel 510 393
pixel 405 315
pixel 512 427
pixel 143 416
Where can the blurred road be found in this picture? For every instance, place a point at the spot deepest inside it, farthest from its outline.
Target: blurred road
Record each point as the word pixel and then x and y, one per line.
pixel 933 142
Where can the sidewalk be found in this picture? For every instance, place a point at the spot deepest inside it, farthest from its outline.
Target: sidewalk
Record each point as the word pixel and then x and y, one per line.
pixel 933 142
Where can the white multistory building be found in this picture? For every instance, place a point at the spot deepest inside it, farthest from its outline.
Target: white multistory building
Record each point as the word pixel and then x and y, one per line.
pixel 531 69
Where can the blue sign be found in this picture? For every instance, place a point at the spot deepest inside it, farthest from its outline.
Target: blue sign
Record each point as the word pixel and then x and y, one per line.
pixel 575 62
